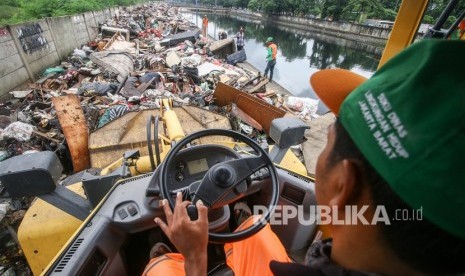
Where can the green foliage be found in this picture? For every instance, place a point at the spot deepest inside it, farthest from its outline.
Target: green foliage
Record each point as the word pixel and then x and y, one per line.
pixel 14 11
pixel 436 7
pixel 7 13
pixel 372 8
pixel 428 19
pixel 271 6
pixel 254 5
pixel 11 3
pixel 333 9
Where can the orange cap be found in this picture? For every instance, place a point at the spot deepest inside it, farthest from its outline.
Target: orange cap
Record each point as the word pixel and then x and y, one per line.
pixel 333 85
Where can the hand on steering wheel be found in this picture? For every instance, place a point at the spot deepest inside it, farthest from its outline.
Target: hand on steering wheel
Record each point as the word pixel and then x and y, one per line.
pixel 189 236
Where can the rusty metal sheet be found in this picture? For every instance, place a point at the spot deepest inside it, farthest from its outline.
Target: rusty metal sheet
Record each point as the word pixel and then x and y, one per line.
pixel 236 111
pixel 74 126
pixel 259 110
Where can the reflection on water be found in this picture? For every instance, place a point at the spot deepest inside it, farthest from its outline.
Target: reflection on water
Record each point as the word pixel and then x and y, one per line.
pixel 300 53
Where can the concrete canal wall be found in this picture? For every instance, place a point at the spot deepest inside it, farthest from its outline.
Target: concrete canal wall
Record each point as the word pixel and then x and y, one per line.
pixel 368 34
pixel 26 49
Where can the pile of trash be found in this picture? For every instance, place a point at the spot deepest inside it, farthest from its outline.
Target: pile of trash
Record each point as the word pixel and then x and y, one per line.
pixel 142 55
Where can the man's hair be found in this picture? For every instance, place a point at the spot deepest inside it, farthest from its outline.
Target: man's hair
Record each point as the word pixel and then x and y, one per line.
pixel 419 243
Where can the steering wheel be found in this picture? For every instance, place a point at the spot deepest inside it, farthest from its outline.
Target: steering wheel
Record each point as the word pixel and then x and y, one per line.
pixel 224 182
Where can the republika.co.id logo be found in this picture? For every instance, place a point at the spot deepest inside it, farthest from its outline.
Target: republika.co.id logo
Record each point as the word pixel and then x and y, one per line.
pixel 326 215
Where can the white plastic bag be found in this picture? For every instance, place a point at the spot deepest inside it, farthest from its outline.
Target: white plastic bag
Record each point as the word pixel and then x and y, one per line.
pixel 18 130
pixel 306 105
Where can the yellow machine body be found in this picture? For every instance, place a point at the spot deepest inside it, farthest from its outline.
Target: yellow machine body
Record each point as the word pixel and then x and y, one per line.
pixel 44 230
pixel 173 126
pixel 405 28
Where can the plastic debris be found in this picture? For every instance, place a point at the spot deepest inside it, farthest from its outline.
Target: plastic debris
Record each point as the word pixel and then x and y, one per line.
pixel 112 113
pixel 191 61
pixel 52 70
pixel 97 88
pixel 172 59
pixel 19 131
pixel 304 105
pixel 20 94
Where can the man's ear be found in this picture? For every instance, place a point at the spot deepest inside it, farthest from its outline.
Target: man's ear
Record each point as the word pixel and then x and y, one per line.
pixel 348 185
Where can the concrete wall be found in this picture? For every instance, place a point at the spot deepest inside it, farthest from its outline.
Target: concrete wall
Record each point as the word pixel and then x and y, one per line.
pixel 91 24
pixel 62 30
pixel 373 34
pixel 35 45
pixel 12 70
pixel 99 17
pixel 27 49
pixel 81 33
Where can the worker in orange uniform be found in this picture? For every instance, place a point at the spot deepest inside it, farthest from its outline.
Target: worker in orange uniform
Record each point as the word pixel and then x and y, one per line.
pixel 461 28
pixel 270 57
pixel 204 26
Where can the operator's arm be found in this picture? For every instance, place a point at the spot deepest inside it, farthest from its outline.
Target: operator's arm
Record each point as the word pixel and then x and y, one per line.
pixel 269 54
pixel 189 237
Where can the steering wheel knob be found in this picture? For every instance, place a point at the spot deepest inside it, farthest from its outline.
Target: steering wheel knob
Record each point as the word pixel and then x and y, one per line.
pixel 223 175
pixel 192 212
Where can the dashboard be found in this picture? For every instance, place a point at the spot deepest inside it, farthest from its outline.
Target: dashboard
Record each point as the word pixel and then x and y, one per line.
pixel 191 164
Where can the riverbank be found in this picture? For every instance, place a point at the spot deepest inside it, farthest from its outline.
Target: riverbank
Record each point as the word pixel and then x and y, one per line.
pixel 271 86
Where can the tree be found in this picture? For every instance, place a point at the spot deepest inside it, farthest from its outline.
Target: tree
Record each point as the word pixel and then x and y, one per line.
pixel 243 3
pixel 436 7
pixel 270 6
pixel 332 9
pixel 254 5
pixel 354 8
pixel 316 7
pixel 33 9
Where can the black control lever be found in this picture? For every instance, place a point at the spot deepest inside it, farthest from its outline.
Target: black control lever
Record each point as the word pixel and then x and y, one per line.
pixel 192 212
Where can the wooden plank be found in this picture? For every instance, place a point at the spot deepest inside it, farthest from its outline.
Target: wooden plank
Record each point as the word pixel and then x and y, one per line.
pixel 219 44
pixel 259 87
pixel 207 119
pixel 74 126
pixel 261 111
pixel 44 135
